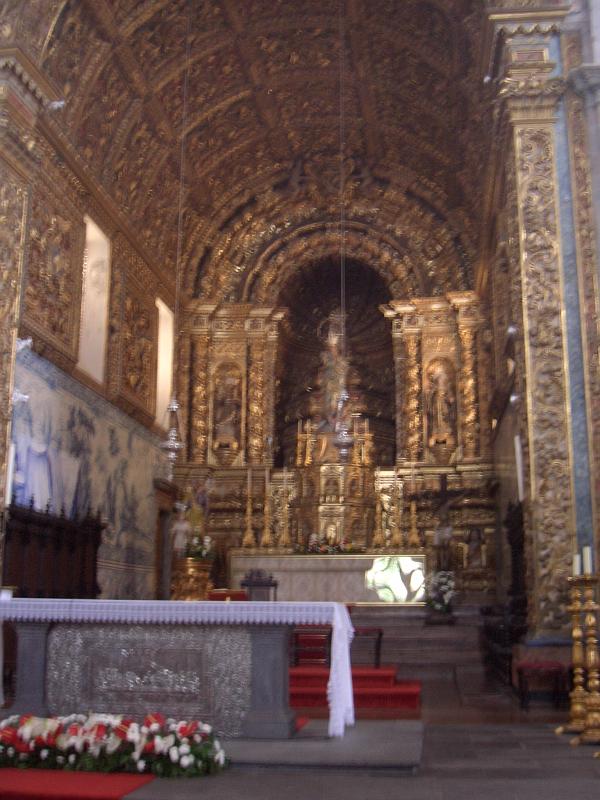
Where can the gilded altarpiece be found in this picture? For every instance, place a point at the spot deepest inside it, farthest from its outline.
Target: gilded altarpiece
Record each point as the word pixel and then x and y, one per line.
pixel 54 268
pixel 133 321
pixel 227 362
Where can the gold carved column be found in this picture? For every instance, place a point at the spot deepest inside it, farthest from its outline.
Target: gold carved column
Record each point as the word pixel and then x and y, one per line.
pixel 468 325
pixel 192 379
pixel 406 337
pixel 256 400
pixel 528 104
pixel 199 399
pixel 263 334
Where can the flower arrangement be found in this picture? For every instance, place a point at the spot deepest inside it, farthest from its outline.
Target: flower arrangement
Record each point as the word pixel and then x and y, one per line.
pixel 110 743
pixel 200 547
pixel 440 591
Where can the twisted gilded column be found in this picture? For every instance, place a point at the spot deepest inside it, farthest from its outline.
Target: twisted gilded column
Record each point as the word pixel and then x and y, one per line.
pixel 256 402
pixel 199 399
pixel 469 392
pixel 412 411
pixel 182 389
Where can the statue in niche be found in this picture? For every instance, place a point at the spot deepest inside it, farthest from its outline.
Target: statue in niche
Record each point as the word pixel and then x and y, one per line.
pixel 181 531
pixel 329 407
pixel 440 408
pixel 227 406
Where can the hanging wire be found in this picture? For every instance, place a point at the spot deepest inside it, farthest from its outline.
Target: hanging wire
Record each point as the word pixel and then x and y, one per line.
pixel 342 33
pixel 173 444
pixel 184 110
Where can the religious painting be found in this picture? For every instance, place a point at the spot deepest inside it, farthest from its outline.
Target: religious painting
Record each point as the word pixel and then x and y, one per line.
pixel 397 579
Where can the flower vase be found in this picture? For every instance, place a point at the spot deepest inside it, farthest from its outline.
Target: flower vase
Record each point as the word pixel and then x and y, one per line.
pixel 190 578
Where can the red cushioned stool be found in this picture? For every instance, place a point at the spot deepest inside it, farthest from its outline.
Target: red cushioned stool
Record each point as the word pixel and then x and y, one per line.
pixel 552 672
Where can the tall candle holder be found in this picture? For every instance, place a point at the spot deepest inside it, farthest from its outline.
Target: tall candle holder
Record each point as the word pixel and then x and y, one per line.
pixel 397 513
pixel 248 541
pixel 591 732
pixel 285 541
pixel 267 539
pixel 413 536
pixel 577 696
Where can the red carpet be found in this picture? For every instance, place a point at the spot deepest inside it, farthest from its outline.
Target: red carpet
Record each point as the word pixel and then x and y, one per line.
pixel 377 693
pixel 49 784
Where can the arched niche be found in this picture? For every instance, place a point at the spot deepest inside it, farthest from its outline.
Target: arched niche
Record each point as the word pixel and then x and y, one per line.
pixel 311 294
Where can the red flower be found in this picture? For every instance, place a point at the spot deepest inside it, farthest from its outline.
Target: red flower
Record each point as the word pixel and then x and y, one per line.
pixel 21 746
pixel 74 729
pixel 98 731
pixel 151 719
pixel 187 729
pixel 149 746
pixel 122 728
pixel 8 736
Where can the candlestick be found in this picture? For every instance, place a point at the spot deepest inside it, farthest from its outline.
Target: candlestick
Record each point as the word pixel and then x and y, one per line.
pixel 587 560
pixel 519 468
pixel 249 482
pixel 10 472
pixel 578 694
pixel 576 564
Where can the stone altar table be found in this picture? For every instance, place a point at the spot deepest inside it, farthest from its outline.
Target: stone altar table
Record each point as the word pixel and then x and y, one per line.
pixel 225 663
pixel 340 578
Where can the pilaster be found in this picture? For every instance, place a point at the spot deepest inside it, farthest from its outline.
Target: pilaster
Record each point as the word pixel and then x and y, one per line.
pixel 527 68
pixel 23 94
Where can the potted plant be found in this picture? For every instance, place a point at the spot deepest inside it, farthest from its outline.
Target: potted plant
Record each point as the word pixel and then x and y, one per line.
pixel 440 592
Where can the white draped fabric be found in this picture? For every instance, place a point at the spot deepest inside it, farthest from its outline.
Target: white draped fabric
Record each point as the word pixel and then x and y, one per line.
pixel 169 612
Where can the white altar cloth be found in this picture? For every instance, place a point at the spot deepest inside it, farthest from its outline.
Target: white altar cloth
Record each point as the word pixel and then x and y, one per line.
pixel 339 689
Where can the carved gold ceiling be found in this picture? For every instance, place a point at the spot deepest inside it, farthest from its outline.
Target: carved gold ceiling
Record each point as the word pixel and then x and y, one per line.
pixel 262 134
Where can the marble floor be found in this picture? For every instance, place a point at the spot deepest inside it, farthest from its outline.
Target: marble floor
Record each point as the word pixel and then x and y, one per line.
pixel 477 745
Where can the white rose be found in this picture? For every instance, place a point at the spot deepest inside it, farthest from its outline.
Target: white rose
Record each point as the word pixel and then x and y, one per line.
pixel 133 732
pixel 71 758
pixel 184 749
pixel 220 757
pixel 44 754
pixel 174 754
pixel 11 751
pixel 141 765
pixel 185 761
pixel 155 727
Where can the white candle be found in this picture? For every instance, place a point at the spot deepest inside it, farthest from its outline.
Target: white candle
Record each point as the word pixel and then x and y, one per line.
pixel 10 472
pixel 587 560
pixel 519 468
pixel 576 564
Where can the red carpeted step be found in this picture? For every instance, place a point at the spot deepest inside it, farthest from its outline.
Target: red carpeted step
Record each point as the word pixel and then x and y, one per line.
pixel 404 695
pixel 361 676
pixel 373 676
pixel 44 784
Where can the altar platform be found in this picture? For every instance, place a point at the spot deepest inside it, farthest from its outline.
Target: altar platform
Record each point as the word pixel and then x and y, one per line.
pixel 342 578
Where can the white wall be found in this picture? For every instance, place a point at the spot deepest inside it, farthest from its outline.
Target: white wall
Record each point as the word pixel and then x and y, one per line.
pixel 94 302
pixel 164 370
